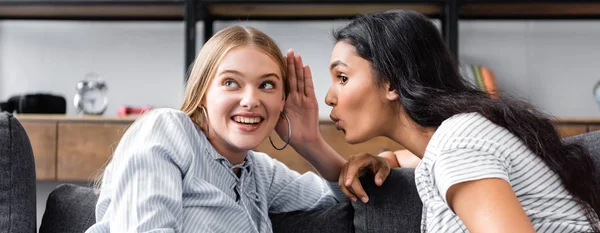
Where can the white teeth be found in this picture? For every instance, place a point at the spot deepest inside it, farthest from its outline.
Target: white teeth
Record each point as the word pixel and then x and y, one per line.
pixel 246 120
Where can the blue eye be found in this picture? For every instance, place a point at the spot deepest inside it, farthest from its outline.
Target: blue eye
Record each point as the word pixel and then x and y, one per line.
pixel 267 85
pixel 230 83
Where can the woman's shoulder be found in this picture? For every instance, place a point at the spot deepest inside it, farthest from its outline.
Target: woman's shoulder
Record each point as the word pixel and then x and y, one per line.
pixel 168 114
pixel 469 130
pixel 164 118
pixel 166 122
pixel 170 130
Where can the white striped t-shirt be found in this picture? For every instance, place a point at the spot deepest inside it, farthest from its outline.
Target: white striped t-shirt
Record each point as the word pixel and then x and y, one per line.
pixel 166 177
pixel 469 147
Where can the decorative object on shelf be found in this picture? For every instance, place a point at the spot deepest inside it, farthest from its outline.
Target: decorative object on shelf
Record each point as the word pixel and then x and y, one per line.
pixel 597 92
pixel 129 110
pixel 91 96
pixel 35 104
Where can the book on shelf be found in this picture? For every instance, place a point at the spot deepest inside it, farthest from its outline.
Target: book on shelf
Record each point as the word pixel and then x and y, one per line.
pixel 481 77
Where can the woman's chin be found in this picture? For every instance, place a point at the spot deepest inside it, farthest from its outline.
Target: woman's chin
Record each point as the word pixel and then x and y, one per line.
pixel 355 139
pixel 351 140
pixel 248 142
pixel 246 145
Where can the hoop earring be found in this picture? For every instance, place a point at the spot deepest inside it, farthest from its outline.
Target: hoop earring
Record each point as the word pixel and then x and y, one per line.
pixel 205 120
pixel 289 134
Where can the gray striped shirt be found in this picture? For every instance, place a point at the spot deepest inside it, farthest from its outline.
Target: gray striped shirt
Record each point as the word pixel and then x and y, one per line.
pixel 469 147
pixel 165 176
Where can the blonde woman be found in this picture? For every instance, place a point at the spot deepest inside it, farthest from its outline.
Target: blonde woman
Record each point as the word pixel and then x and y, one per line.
pixel 194 170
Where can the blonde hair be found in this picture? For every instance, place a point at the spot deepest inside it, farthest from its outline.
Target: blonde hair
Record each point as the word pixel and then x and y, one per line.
pixel 211 55
pixel 205 67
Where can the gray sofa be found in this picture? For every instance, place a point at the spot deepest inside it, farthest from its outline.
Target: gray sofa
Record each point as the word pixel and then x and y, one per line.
pixel 394 207
pixel 17 179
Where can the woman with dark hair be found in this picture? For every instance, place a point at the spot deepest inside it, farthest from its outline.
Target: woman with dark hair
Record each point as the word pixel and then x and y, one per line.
pixel 487 165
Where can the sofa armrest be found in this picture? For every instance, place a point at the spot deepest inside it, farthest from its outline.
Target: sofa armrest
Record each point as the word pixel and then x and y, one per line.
pixel 393 207
pixel 17 178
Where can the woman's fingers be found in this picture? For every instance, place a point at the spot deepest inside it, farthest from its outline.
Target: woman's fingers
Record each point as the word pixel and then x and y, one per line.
pixel 341 184
pixel 299 74
pixel 358 190
pixel 291 70
pixel 352 182
pixel 353 167
pixel 309 88
pixel 382 172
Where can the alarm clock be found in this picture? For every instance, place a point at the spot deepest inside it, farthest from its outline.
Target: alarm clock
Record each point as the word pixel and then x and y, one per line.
pixel 91 97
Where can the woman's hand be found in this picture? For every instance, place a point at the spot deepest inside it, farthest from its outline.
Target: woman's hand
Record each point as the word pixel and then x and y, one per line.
pixel 301 105
pixel 302 110
pixel 349 182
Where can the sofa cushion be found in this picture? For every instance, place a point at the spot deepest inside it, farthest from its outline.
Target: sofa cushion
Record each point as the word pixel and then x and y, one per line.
pixel 17 178
pixel 70 209
pixel 591 141
pixel 336 219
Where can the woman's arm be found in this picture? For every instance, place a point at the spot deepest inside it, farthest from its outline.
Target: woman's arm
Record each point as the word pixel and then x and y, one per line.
pixel 290 191
pixel 323 158
pixel 474 183
pixel 488 205
pixel 401 158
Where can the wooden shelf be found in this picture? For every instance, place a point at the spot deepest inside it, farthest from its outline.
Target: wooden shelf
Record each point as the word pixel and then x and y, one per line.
pixel 174 10
pixel 577 120
pixel 66 118
pixel 529 10
pixel 228 9
pixel 76 148
pixel 90 9
pixel 315 10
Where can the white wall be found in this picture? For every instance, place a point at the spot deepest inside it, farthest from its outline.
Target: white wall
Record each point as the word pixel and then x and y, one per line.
pixel 551 63
pixel 142 63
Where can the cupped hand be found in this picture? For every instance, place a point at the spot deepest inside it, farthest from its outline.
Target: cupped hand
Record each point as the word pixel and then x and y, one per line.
pixel 301 105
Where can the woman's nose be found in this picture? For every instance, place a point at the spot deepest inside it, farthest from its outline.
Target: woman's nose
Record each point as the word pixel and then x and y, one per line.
pixel 250 100
pixel 331 98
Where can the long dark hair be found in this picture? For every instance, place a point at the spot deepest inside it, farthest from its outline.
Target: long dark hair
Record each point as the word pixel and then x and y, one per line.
pixel 407 50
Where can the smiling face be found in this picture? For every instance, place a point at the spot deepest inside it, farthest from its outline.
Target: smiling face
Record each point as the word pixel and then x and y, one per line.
pixel 244 100
pixel 360 107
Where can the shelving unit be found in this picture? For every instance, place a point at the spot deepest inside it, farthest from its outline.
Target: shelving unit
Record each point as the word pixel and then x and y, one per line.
pixel 191 11
pixel 61 156
pixel 109 10
pixel 530 9
pixel 213 10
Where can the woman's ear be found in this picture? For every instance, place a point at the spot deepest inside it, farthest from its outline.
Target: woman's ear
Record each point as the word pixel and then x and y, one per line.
pixel 282 105
pixel 202 103
pixel 391 93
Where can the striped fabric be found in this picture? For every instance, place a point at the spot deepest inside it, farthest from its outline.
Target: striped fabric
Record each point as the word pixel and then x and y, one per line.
pixel 166 177
pixel 469 147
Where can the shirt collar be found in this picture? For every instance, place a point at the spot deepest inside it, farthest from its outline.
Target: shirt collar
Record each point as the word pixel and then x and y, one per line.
pixel 212 152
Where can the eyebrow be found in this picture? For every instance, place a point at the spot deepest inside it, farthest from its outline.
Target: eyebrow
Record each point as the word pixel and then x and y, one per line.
pixel 337 63
pixel 240 74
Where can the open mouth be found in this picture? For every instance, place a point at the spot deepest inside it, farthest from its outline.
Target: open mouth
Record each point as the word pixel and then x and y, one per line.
pixel 247 124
